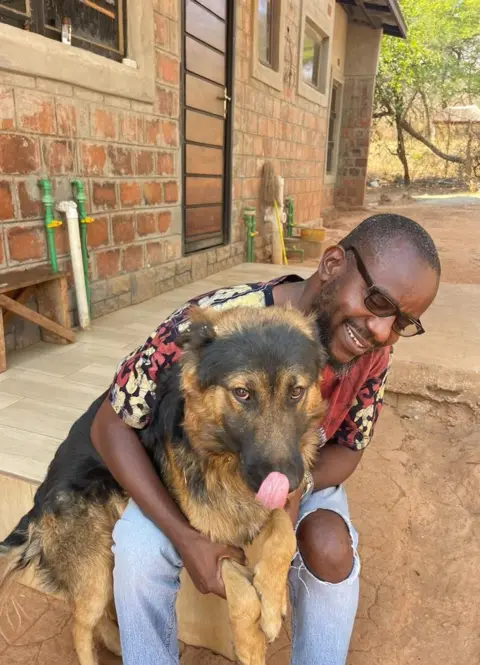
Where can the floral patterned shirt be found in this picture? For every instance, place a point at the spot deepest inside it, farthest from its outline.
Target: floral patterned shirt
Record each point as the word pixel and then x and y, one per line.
pixel 355 398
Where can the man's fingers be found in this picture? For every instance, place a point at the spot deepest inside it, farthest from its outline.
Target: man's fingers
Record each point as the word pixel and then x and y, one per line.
pixel 236 554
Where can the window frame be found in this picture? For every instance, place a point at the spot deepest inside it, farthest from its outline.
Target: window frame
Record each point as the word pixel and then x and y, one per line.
pixel 314 17
pixel 272 74
pixel 34 54
pixel 335 81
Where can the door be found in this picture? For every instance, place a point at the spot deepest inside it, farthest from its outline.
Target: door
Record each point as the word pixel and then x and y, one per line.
pixel 207 85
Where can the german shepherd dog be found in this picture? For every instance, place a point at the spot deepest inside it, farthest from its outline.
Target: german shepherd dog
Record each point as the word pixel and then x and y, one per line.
pixel 231 434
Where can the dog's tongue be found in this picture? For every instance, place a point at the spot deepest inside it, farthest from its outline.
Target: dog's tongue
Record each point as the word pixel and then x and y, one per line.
pixel 273 491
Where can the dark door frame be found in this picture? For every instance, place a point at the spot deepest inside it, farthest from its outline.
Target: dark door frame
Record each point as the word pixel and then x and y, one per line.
pixel 228 130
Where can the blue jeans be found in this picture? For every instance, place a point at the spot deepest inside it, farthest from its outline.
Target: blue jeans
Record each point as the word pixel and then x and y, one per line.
pixel 146 582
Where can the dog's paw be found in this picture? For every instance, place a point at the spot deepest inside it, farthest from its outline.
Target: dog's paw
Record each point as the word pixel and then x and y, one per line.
pixel 272 602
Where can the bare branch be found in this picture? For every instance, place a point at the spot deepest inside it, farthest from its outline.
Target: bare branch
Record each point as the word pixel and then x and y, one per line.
pixel 436 151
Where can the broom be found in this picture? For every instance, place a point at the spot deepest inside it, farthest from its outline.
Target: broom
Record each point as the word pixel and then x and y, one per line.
pixel 270 194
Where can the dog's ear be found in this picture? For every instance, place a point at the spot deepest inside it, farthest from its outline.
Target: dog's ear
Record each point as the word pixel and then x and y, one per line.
pixel 201 331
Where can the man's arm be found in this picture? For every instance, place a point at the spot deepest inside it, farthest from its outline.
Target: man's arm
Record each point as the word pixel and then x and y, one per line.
pixel 334 464
pixel 121 450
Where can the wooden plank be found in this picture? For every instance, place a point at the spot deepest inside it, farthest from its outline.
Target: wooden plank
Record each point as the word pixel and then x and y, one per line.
pixel 20 279
pixel 218 7
pixel 35 317
pixel 204 161
pixel 3 351
pixel 199 221
pixel 22 298
pixel 206 62
pixel 202 95
pixel 199 191
pixel 204 129
pixel 52 299
pixel 200 23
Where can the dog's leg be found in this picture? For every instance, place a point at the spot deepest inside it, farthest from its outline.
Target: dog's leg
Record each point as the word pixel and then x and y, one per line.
pixel 244 611
pixel 89 610
pixel 110 635
pixel 271 572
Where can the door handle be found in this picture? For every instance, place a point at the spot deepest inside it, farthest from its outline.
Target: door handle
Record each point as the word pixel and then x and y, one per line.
pixel 226 99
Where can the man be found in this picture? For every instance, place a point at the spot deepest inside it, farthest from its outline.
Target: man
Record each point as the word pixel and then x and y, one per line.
pixel 368 291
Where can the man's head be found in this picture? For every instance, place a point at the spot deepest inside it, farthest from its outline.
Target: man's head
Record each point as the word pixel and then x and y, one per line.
pixel 386 255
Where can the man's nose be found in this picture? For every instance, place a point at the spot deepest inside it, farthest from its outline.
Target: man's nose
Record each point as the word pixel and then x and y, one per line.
pixel 381 328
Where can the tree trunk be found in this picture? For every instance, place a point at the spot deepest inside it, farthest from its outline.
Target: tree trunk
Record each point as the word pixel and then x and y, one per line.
pixel 436 151
pixel 401 152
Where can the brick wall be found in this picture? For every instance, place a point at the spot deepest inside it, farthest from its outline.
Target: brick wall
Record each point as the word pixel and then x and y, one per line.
pixel 279 126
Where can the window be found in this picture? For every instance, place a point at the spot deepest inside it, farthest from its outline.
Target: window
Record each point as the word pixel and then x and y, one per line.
pixel 97 25
pixel 266 32
pixel 268 41
pixel 333 127
pixel 314 57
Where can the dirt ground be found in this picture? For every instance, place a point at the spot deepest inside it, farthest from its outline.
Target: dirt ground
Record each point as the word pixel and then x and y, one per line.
pixel 453 220
pixel 420 580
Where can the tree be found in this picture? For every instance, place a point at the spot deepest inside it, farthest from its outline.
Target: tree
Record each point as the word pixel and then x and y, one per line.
pixel 436 66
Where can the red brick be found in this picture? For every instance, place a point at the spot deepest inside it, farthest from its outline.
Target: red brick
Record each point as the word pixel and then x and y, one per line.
pixel 166 102
pixel 72 118
pixel 93 159
pixel 164 221
pixel 155 253
pixel 104 195
pixel 168 69
pixel 7 109
pixel 2 253
pixel 59 156
pixel 169 132
pixel 62 243
pixel 130 194
pixel 29 197
pixel 171 192
pixel 130 128
pixel 132 258
pixel 18 154
pixel 123 229
pixel 97 232
pixel 25 244
pixel 152 193
pixel 121 160
pixel 103 124
pixel 146 223
pixel 153 132
pixel 6 201
pixel 144 162
pixel 165 163
pixel 35 112
pixel 161 31
pixel 108 263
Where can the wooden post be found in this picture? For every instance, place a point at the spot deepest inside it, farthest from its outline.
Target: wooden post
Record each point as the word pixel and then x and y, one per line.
pixel 52 299
pixel 3 352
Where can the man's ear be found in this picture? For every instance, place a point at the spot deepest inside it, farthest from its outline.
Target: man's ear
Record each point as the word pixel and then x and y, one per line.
pixel 201 331
pixel 333 261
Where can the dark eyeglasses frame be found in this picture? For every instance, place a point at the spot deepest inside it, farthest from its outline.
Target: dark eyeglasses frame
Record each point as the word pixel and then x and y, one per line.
pixel 373 289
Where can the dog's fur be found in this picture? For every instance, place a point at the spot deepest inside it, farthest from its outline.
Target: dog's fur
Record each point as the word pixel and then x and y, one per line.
pixel 212 450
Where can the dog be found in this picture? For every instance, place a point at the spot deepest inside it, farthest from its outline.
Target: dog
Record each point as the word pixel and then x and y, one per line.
pixel 232 432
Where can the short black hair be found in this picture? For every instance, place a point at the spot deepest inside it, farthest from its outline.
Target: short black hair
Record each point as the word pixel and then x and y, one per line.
pixel 375 233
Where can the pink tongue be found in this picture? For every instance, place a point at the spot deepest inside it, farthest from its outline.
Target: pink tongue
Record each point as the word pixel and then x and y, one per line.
pixel 273 491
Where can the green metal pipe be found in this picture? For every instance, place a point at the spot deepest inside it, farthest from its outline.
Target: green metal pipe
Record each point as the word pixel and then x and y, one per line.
pixel 79 195
pixel 290 223
pixel 50 222
pixel 249 215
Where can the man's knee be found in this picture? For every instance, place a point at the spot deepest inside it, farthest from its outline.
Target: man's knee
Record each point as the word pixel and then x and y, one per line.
pixel 326 546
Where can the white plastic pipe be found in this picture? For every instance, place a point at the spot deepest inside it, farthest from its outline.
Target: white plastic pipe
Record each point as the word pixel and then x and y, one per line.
pixel 70 210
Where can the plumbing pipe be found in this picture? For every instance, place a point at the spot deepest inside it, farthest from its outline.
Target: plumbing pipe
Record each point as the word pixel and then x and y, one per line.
pixel 290 224
pixel 70 210
pixel 50 222
pixel 249 219
pixel 79 195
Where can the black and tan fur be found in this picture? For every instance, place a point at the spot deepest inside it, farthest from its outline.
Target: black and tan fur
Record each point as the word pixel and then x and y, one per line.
pixel 212 451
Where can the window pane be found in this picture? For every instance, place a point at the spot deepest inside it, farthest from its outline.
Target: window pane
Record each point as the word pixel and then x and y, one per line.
pixel 16 5
pixel 97 21
pixel 333 121
pixel 308 57
pixel 265 31
pixel 315 50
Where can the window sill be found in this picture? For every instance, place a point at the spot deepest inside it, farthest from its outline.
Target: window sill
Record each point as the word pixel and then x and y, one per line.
pixel 28 53
pixel 312 94
pixel 267 75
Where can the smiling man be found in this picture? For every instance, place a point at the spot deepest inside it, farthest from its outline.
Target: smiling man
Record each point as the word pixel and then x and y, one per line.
pixel 368 291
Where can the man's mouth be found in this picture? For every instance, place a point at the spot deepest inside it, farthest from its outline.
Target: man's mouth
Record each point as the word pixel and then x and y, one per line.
pixel 358 341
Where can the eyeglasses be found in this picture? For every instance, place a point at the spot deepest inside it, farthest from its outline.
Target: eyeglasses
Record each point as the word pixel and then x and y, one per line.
pixel 380 304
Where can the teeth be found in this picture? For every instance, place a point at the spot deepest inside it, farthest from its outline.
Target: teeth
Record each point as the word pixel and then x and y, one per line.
pixel 353 336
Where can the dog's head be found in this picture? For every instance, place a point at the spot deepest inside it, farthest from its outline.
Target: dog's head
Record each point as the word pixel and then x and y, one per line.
pixel 250 380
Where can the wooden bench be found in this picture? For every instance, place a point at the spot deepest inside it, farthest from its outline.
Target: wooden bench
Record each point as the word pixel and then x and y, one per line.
pixel 51 292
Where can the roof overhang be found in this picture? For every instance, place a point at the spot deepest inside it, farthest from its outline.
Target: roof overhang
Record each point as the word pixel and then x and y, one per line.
pixel 379 14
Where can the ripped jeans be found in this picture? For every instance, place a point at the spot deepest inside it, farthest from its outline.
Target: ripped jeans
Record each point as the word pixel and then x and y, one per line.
pixel 146 582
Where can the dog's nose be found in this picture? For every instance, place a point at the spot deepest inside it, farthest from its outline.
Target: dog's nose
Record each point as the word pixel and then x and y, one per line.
pixel 293 468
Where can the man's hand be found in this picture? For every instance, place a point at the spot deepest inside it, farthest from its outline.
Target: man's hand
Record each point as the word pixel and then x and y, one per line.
pixel 202 559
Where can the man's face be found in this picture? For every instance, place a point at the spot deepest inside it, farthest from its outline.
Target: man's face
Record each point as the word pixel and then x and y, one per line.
pixel 347 327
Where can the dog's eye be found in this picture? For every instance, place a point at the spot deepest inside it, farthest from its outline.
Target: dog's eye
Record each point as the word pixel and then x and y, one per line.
pixel 297 393
pixel 241 393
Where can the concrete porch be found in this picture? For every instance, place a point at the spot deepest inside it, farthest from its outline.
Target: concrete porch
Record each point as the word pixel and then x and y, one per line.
pixel 397 497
